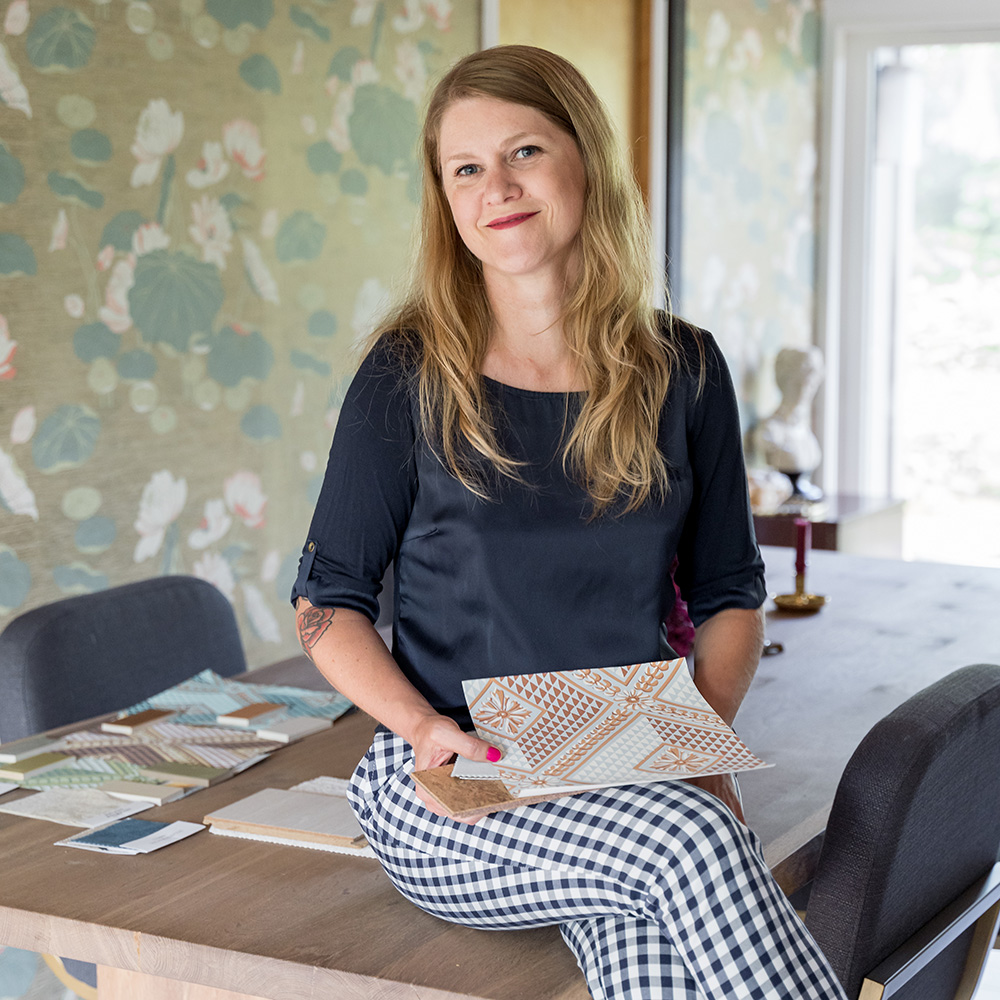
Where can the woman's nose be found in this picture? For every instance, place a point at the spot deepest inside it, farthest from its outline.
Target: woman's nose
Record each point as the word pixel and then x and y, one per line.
pixel 501 185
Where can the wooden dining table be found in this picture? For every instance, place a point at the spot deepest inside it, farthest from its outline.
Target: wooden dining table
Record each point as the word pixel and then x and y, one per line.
pixel 212 918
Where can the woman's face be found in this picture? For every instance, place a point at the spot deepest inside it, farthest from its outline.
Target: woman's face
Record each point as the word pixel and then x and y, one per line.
pixel 516 186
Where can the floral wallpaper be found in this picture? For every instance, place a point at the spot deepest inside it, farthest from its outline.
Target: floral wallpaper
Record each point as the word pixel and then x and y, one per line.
pixel 203 204
pixel 749 184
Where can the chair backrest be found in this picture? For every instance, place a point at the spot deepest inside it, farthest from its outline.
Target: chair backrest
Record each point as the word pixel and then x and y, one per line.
pixel 915 821
pixel 96 653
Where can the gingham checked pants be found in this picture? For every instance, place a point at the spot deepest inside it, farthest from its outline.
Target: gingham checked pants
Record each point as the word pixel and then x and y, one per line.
pixel 658 890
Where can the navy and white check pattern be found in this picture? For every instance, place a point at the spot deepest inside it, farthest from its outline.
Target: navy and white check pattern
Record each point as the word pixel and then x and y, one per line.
pixel 659 891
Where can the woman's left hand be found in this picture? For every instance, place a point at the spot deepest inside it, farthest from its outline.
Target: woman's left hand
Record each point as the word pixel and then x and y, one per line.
pixel 722 786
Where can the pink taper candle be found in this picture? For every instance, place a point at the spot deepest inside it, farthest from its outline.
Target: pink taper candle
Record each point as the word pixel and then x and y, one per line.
pixel 803 539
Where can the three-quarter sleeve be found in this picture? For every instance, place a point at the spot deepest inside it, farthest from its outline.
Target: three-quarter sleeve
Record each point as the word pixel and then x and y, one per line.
pixel 367 493
pixel 719 564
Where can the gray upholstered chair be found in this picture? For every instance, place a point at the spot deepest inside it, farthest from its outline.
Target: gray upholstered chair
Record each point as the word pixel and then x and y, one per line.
pixel 96 653
pixel 906 896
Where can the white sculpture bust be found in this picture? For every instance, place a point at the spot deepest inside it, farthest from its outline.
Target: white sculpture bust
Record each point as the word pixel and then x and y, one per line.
pixel 785 439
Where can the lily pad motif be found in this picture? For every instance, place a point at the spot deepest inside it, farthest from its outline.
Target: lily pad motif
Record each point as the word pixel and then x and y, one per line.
pixel 300 237
pixel 120 230
pixel 137 364
pixel 354 182
pixel 60 41
pixel 95 340
pixel 303 19
pixel 261 73
pixel 232 13
pixel 383 127
pixel 66 438
pixel 79 578
pixel 306 362
pixel 261 423
pixel 95 534
pixel 174 297
pixel 234 356
pixel 16 257
pixel 11 176
pixel 322 158
pixel 322 323
pixel 342 64
pixel 90 146
pixel 15 580
pixel 72 189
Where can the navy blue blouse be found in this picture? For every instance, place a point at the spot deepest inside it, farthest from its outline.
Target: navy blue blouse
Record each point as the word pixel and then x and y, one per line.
pixel 525 581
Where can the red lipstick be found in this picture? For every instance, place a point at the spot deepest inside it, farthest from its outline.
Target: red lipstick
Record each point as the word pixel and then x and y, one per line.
pixel 509 221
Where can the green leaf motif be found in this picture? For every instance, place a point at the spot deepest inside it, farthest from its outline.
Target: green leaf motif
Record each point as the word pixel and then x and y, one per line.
pixel 383 127
pixel 137 364
pixel 322 158
pixel 95 340
pixel 306 362
pixel 90 146
pixel 232 13
pixel 342 64
pixel 120 230
pixel 234 356
pixel 174 297
pixel 261 73
pixel 95 534
pixel 322 323
pixel 300 237
pixel 11 176
pixel 16 257
pixel 79 578
pixel 354 182
pixel 261 423
pixel 66 438
pixel 72 189
pixel 60 41
pixel 15 580
pixel 305 20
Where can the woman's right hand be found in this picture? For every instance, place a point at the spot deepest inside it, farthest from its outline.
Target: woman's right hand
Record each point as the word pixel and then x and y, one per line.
pixel 435 740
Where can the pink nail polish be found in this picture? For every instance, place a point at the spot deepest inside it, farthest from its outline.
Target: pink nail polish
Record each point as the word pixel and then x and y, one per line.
pixel 493 755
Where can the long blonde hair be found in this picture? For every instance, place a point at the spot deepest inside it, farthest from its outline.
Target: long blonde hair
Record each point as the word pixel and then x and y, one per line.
pixel 622 345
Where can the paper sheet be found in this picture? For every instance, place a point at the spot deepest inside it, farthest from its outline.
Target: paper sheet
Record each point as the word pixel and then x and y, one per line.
pixel 84 807
pixel 638 723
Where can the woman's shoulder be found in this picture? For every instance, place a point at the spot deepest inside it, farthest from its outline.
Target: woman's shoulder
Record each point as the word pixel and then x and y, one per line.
pixel 694 349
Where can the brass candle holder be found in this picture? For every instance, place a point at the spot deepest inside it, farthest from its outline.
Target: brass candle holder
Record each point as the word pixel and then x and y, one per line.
pixel 801 600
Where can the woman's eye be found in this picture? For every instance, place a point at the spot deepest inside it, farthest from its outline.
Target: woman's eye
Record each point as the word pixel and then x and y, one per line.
pixel 525 151
pixel 467 171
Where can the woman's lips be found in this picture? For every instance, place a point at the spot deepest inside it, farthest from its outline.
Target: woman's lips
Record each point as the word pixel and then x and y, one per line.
pixel 509 221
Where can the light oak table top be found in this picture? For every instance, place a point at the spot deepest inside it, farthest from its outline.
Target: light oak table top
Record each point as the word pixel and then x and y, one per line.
pixel 289 923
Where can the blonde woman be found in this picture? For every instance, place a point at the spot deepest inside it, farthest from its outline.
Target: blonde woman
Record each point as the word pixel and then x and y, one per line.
pixel 530 444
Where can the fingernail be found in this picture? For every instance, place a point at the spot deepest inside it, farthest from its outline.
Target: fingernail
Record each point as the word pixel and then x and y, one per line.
pixel 493 755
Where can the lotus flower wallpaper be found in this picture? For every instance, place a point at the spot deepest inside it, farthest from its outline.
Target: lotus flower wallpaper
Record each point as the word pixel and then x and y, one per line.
pixel 203 205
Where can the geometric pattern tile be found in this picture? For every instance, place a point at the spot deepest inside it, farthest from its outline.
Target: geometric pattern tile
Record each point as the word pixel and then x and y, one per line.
pixel 641 722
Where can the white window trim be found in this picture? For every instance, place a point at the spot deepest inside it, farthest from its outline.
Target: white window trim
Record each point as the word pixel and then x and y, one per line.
pixel 848 421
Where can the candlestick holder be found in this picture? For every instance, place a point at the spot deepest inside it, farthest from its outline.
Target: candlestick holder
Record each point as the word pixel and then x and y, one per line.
pixel 801 600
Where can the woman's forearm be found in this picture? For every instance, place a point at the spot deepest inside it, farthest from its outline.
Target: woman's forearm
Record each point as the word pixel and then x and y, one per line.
pixel 727 649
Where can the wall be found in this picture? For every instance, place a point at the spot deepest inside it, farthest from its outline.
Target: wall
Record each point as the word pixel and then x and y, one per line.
pixel 202 204
pixel 749 185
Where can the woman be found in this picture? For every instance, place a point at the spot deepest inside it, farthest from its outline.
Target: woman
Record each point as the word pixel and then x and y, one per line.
pixel 531 444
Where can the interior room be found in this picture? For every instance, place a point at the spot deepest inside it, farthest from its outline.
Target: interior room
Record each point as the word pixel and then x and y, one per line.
pixel 206 205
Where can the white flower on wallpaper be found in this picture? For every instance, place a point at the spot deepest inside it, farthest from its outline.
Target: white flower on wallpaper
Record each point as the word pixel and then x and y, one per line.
pixel 149 237
pixel 211 230
pixel 23 426
pixel 13 93
pixel 716 37
pixel 245 498
pixel 363 12
pixel 269 223
pixel 242 141
pixel 369 304
pixel 211 168
pixel 215 523
pixel 298 58
pixel 16 19
pixel 414 12
pixel 217 571
pixel 115 312
pixel 747 53
pixel 338 133
pixel 163 499
pixel 157 135
pixel 105 258
pixel 260 274
pixel 262 618
pixel 74 305
pixel 7 349
pixel 270 566
pixel 60 232
pixel 410 70
pixel 15 493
